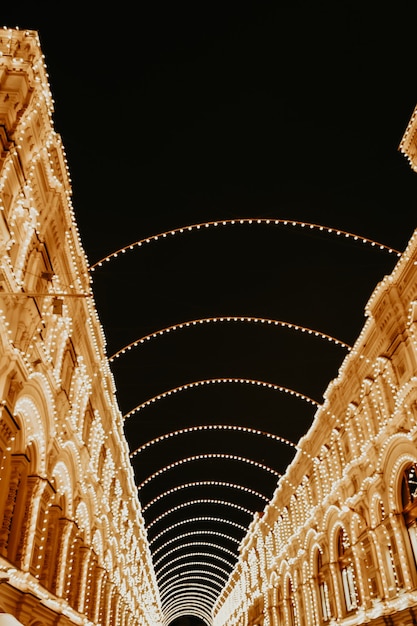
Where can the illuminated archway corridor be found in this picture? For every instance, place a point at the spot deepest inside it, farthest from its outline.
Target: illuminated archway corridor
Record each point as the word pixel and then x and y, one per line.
pixel 200 427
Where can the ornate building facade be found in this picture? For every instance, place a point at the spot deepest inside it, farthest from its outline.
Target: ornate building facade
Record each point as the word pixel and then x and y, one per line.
pixel 73 549
pixel 338 541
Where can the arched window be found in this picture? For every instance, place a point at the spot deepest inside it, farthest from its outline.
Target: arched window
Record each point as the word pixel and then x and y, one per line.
pixel 323 589
pixel 409 505
pixel 290 604
pixel 347 572
pixel 280 607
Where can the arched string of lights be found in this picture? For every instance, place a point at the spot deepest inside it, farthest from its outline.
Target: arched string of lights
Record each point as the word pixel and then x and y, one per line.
pixel 232 222
pixel 199 501
pixel 194 593
pixel 212 381
pixel 210 455
pixel 185 605
pixel 215 557
pixel 228 318
pixel 213 533
pixel 200 574
pixel 189 544
pixel 208 591
pixel 219 572
pixel 188 582
pixel 202 518
pixel 205 483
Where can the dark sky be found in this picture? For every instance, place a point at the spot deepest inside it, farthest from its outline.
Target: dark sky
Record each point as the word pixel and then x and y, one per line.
pixel 177 114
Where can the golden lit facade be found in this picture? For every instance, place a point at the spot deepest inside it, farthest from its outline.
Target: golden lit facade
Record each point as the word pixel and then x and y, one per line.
pixel 73 548
pixel 338 541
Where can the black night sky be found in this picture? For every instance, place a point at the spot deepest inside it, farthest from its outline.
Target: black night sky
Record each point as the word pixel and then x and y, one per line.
pixel 183 113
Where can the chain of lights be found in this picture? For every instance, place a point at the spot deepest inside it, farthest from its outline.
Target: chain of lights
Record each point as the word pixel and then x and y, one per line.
pixel 188 544
pixel 187 605
pixel 211 455
pixel 232 222
pixel 213 381
pixel 198 501
pixel 193 520
pixel 178 595
pixel 205 483
pixel 194 588
pixel 219 572
pixel 192 555
pixel 213 582
pixel 192 576
pixel 227 318
pixel 194 533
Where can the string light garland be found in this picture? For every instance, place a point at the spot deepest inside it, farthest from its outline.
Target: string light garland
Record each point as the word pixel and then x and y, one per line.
pixel 211 455
pixel 212 533
pixel 192 581
pixel 219 571
pixel 194 520
pixel 215 576
pixel 232 222
pixel 198 501
pixel 187 606
pixel 192 555
pixel 204 483
pixel 200 574
pixel 189 590
pixel 212 381
pixel 227 318
pixel 199 544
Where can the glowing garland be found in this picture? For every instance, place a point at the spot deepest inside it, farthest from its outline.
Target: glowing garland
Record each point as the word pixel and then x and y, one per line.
pixel 189 544
pixel 190 607
pixel 216 586
pixel 227 318
pixel 182 557
pixel 193 520
pixel 232 505
pixel 211 381
pixel 193 534
pixel 204 483
pixel 265 221
pixel 211 455
pixel 203 591
pixel 199 574
pixel 207 564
